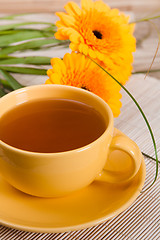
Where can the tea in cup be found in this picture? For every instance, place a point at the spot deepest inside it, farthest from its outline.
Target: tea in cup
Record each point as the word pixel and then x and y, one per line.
pixel 56 139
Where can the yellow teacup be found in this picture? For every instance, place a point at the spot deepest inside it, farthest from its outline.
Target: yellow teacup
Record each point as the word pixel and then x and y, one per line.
pixel 58 174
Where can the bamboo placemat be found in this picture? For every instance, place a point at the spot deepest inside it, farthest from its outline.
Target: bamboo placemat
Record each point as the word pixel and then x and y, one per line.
pixel 139 221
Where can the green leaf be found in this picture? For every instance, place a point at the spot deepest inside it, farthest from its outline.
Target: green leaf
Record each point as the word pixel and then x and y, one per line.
pixel 5 40
pixel 5 57
pixel 13 16
pixel 5 84
pixel 15 25
pixel 27 60
pixel 8 32
pixel 34 44
pixel 51 30
pixel 23 70
pixel 2 93
pixel 12 81
pixel 143 115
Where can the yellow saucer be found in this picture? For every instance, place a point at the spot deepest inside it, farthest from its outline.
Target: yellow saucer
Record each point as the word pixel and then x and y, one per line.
pixel 92 205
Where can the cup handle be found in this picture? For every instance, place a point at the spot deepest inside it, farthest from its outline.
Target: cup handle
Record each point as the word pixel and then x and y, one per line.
pixel 125 163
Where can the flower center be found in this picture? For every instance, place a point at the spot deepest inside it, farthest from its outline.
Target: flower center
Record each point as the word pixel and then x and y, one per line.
pixel 97 34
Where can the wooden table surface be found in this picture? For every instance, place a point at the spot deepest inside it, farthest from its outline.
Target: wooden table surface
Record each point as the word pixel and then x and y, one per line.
pixel 19 6
pixel 140 221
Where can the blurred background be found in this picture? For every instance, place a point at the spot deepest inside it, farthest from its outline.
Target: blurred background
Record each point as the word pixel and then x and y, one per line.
pixel 22 6
pixel 147 32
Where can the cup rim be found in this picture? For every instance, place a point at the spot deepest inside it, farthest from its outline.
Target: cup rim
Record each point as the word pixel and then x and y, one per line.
pixel 109 112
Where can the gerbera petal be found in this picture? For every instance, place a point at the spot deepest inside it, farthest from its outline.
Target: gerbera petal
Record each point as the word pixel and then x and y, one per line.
pixel 72 8
pixel 100 56
pixel 131 28
pixel 114 12
pixel 49 72
pixel 73 47
pixel 68 61
pixel 56 78
pixel 81 72
pixel 101 6
pixel 48 81
pixel 66 19
pixel 83 48
pixel 92 53
pixel 56 61
pixel 59 24
pixel 86 4
pixel 103 30
pixel 75 37
pixel 60 36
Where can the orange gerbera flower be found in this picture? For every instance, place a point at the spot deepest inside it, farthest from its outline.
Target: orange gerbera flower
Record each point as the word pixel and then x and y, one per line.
pixel 101 33
pixel 77 70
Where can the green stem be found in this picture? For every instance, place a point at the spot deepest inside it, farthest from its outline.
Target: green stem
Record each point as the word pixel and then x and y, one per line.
pixel 148 156
pixel 143 115
pixel 145 71
pixel 145 19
